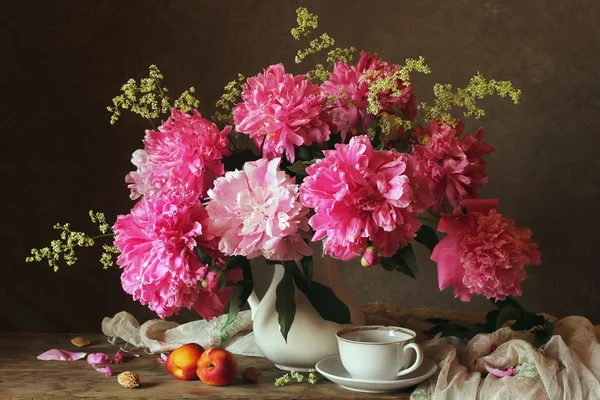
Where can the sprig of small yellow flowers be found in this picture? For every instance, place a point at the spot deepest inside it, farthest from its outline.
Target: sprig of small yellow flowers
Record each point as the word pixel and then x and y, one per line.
pixel 148 98
pixel 478 88
pixel 69 240
pixel 307 23
pixel 379 82
pixel 313 378
pixel 389 126
pixel 229 98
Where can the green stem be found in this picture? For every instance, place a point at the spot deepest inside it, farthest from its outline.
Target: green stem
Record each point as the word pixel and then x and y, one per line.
pixel 101 236
pixel 152 124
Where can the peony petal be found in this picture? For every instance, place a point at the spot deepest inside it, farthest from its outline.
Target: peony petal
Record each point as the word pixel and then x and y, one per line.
pixel 61 355
pixel 105 370
pixel 498 373
pixel 98 358
pixel 162 359
pixel 450 268
pixel 121 355
pixel 480 205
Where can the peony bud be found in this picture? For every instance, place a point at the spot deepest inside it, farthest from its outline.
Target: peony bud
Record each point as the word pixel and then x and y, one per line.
pixel 371 257
pixel 214 282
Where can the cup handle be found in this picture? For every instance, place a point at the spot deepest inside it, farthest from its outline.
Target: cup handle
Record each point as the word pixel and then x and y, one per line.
pixel 418 361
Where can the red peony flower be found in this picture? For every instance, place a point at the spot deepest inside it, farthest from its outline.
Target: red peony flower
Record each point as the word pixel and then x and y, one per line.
pixel 452 166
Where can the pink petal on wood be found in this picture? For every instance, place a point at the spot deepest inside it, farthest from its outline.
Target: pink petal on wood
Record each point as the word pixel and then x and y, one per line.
pixel 61 355
pixel 98 358
pixel 500 373
pixel 162 359
pixel 105 370
pixel 121 355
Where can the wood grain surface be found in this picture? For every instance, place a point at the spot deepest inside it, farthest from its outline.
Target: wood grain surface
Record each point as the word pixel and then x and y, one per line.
pixel 23 376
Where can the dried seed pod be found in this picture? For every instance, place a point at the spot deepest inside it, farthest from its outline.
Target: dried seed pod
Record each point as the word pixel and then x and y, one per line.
pixel 128 379
pixel 251 374
pixel 81 341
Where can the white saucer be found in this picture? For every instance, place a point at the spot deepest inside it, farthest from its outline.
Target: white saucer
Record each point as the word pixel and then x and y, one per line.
pixel 332 369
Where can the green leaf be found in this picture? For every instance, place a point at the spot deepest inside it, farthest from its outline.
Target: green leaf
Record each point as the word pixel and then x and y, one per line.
pixel 404 261
pixel 307 267
pixel 400 146
pixel 388 263
pixel 299 167
pixel 324 300
pixel 506 314
pixel 509 301
pixel 490 321
pixel 248 281
pixel 373 124
pixel 427 237
pixel 451 329
pixel 242 289
pixel 285 305
pixel 400 114
pixel 543 334
pixel 528 321
pixel 405 257
pixel 203 257
pixel 234 304
pixel 234 262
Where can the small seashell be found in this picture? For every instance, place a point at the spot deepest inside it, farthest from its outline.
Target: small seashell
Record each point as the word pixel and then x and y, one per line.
pixel 80 341
pixel 128 379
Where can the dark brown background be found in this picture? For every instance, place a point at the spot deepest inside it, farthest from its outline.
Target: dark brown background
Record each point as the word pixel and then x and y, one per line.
pixel 62 62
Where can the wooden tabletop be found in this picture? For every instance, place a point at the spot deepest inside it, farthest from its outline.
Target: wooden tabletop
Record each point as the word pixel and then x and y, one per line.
pixel 23 376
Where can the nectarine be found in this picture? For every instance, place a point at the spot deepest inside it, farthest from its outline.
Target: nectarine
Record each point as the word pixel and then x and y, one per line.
pixel 217 367
pixel 182 362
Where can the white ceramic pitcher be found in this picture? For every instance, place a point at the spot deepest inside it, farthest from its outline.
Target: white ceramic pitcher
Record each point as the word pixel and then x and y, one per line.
pixel 311 338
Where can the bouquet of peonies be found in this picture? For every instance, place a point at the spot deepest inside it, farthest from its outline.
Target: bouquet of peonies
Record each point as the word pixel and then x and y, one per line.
pixel 343 155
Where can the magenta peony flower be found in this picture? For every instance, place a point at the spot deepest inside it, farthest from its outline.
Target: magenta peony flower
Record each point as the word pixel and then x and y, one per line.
pixel 452 166
pixel 361 194
pixel 256 212
pixel 185 152
pixel 349 87
pixel 484 253
pixel 280 111
pixel 160 266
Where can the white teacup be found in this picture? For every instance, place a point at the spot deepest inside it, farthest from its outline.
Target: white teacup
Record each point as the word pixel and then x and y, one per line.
pixel 378 352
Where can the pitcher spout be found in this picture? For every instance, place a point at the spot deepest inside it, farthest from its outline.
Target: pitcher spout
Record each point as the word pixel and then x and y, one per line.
pixel 253 301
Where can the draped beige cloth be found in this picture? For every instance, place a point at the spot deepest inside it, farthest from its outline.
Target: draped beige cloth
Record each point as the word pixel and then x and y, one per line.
pixel 567 367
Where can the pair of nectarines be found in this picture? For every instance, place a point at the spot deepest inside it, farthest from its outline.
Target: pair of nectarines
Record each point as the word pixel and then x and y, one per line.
pixel 213 366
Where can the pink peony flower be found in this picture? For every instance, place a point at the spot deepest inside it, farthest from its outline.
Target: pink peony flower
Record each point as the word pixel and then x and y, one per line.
pixel 484 253
pixel 185 152
pixel 160 266
pixel 361 194
pixel 350 87
pixel 280 111
pixel 453 167
pixel 256 211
